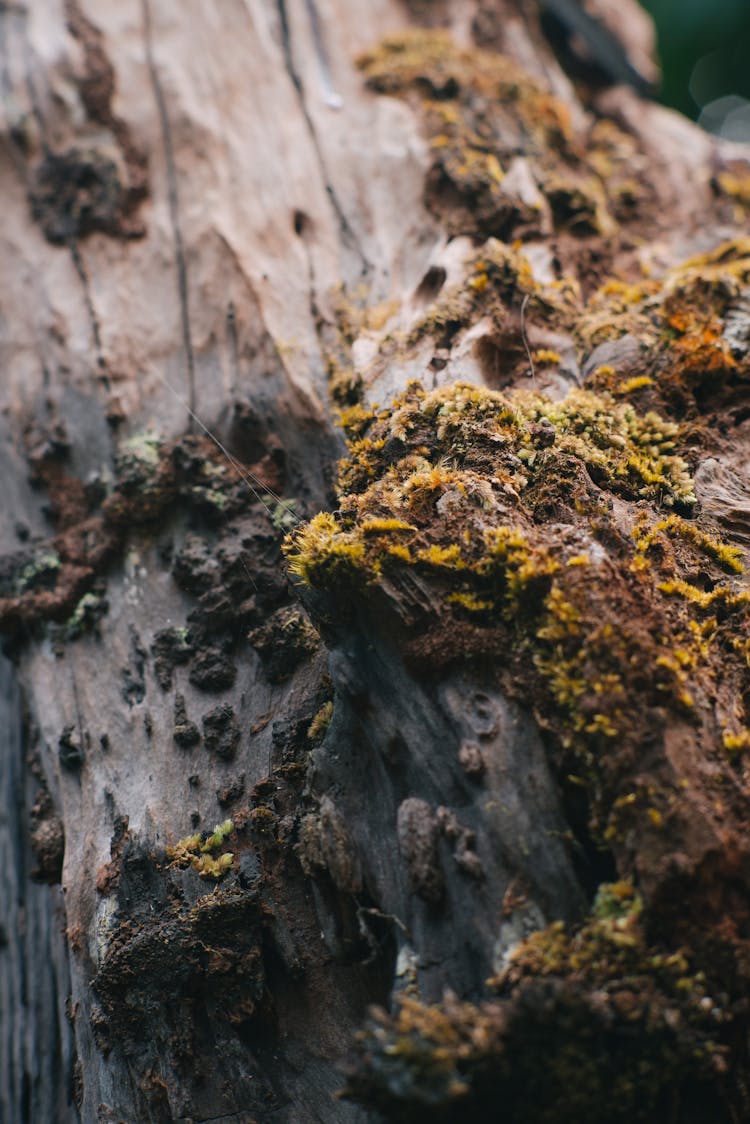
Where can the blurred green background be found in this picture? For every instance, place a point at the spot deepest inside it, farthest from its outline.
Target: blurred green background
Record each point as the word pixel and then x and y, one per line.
pixel 704 47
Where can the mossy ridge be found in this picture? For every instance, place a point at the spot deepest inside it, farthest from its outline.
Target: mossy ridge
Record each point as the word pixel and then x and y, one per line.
pixel 481 111
pixel 453 485
pixel 590 595
pixel 620 1029
pixel 683 323
pixel 680 326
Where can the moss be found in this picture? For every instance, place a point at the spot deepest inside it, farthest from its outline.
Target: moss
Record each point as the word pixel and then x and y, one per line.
pixel 480 112
pixel 736 744
pixel 684 326
pixel 196 851
pixel 545 356
pixel 622 1031
pixel 284 515
pixel 141 449
pixel 457 483
pixel 40 573
pixel 633 454
pixel 735 185
pixel 579 205
pixel 320 723
pixel 323 552
pixel 85 616
pixel 728 557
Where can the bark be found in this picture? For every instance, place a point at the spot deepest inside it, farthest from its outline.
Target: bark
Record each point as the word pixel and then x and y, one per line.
pixel 440 801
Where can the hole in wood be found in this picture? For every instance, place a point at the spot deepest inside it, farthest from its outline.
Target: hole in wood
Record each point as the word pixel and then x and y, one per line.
pixel 498 359
pixel 302 223
pixel 431 284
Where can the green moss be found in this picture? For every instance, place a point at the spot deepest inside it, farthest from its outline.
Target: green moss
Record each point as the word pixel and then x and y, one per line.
pixel 141 448
pixel 284 515
pixel 85 616
pixel 320 723
pixel 196 851
pixel 612 640
pixel 621 1031
pixel 40 573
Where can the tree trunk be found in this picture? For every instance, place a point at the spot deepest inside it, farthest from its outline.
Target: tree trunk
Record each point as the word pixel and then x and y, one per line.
pixel 440 800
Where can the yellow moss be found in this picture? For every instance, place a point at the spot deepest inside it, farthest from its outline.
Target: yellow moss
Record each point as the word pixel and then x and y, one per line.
pixel 472 525
pixel 735 744
pixel 728 557
pixel 374 526
pixel 322 551
pixel 470 602
pixel 729 260
pixel 545 356
pixel 443 557
pixel 636 383
pixel 321 721
pixel 735 186
pixel 195 851
pixel 355 419
pixel 399 553
pixel 209 866
pixel 720 596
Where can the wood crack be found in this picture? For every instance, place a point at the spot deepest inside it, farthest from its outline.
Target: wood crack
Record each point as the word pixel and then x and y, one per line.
pixel 174 210
pixel 80 269
pixel 349 237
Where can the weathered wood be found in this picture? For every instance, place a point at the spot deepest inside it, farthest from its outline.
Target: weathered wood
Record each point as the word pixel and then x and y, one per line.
pixel 249 216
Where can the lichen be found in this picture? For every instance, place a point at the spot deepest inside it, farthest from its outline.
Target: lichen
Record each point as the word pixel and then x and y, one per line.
pixel 85 616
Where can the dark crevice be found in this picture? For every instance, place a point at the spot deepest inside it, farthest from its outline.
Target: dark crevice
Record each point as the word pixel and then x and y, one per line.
pixel 174 212
pixel 96 335
pixel 593 863
pixel 234 352
pixel 348 234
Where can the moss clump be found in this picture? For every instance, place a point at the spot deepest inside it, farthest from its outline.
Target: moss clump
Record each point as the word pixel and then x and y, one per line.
pixel 622 1032
pixel 622 1029
pixel 85 616
pixel 481 111
pixel 196 851
pixel 40 573
pixel 501 504
pixel 317 729
pixel 476 445
pixel 686 327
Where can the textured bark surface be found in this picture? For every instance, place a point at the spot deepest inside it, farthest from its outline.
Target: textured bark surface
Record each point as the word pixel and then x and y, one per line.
pixel 481 760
